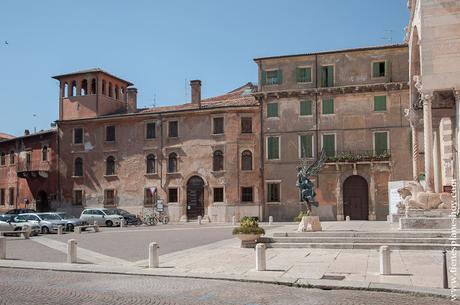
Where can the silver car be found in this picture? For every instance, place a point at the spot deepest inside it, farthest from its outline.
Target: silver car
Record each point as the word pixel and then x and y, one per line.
pixel 8 223
pixel 71 221
pixel 103 217
pixel 47 222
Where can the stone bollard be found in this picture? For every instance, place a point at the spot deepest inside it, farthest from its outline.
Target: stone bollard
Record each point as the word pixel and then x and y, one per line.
pixel 122 223
pixel 234 220
pixel 60 230
pixel 270 220
pixel 260 257
pixel 71 251
pixel 77 230
pixel 95 223
pixel 96 228
pixel 199 219
pixel 385 260
pixel 27 231
pixel 2 247
pixel 154 261
pixel 347 218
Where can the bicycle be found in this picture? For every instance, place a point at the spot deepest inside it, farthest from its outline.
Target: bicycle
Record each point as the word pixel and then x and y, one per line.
pixel 162 217
pixel 149 219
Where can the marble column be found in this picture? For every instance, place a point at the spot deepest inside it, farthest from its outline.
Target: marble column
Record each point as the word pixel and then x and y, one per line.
pixel 414 119
pixel 372 215
pixel 428 141
pixel 339 195
pixel 436 162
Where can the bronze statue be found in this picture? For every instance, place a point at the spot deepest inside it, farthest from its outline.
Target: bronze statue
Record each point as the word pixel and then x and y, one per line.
pixel 307 188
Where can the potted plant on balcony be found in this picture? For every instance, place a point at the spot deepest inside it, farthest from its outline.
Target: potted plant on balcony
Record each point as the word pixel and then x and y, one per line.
pixel 249 229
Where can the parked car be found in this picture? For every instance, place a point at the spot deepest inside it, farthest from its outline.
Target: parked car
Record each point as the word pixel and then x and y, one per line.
pixel 48 222
pixel 71 221
pixel 102 216
pixel 20 211
pixel 19 225
pixel 6 226
pixel 130 218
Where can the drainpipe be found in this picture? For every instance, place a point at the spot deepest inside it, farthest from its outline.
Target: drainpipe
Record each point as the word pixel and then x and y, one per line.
pixel 316 115
pixel 262 157
pixel 161 152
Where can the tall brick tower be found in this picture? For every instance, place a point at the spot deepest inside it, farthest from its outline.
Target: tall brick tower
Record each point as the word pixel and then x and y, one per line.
pixel 92 93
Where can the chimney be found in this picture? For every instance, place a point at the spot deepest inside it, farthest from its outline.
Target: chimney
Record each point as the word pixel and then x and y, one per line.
pixel 26 132
pixel 131 100
pixel 196 92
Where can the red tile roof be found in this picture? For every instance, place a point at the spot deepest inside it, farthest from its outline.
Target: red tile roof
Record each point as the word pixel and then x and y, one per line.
pixel 241 96
pixel 5 136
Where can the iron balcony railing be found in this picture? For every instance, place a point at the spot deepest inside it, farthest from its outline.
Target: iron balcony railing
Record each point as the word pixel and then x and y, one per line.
pixel 359 156
pixel 33 166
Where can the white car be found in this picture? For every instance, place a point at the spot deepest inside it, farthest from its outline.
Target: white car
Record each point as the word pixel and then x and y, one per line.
pixel 102 216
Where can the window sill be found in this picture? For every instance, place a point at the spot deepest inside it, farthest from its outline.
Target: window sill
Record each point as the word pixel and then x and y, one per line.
pixel 110 176
pixel 273 118
pixel 110 142
pixel 174 174
pixel 151 175
pixel 218 173
pixel 273 203
pixel 309 116
pixel 77 177
pixel 304 83
pixel 247 133
pixel 327 114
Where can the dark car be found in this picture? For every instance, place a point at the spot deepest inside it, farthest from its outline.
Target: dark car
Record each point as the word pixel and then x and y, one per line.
pixel 130 219
pixel 8 217
pixel 20 211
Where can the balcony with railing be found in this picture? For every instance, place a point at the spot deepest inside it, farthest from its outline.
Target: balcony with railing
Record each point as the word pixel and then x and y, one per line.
pixel 358 156
pixel 33 169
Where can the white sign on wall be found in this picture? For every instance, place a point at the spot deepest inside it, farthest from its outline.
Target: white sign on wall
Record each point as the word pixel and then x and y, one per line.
pixel 393 195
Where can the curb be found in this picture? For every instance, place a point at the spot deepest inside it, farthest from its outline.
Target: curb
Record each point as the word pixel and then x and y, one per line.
pixel 291 282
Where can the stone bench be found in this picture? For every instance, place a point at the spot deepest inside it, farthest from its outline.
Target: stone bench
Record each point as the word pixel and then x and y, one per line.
pixel 78 229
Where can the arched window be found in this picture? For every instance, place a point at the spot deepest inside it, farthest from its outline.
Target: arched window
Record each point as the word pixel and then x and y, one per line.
pixel 84 87
pixel 66 89
pixel 110 166
pixel 73 89
pixel 78 167
pixel 110 90
pixel 116 92
pixel 45 153
pixel 218 161
pixel 246 160
pixel 103 88
pixel 93 86
pixel 172 163
pixel 2 158
pixel 150 164
pixel 12 157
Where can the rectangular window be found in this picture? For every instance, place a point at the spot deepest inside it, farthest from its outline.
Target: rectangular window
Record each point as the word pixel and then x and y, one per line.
pixel 11 196
pixel 218 194
pixel 109 197
pixel 380 103
pixel 380 142
pixel 328 106
pixel 148 197
pixel 2 197
pixel 172 195
pixel 305 107
pixel 327 76
pixel 218 125
pixel 273 148
pixel 173 127
pixel 78 197
pixel 273 192
pixel 78 136
pixel 306 146
pixel 246 125
pixel 329 144
pixel 303 75
pixel 246 194
pixel 151 130
pixel 110 133
pixel 378 69
pixel 272 110
pixel 272 77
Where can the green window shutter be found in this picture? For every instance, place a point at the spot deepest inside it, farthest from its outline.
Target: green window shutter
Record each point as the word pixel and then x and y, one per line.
pixel 375 69
pixel 272 110
pixel 307 75
pixel 329 144
pixel 280 77
pixel 323 76
pixel 273 148
pixel 298 74
pixel 264 77
pixel 330 76
pixel 306 146
pixel 328 106
pixel 380 103
pixel 381 142
pixel 305 108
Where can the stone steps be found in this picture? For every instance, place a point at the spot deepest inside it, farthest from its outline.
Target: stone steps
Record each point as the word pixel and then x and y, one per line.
pixel 348 234
pixel 345 245
pixel 372 240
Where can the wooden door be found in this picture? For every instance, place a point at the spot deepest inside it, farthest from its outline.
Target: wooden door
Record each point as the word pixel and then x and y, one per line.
pixel 355 198
pixel 195 197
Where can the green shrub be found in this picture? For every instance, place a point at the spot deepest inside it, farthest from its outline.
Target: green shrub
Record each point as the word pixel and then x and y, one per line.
pixel 299 217
pixel 248 225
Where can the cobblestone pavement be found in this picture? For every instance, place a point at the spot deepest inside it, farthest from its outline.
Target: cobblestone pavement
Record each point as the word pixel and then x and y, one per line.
pixel 19 286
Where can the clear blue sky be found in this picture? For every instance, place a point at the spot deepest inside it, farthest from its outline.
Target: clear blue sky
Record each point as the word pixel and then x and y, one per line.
pixel 157 45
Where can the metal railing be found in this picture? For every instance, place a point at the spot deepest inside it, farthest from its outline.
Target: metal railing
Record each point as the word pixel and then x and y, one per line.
pixel 359 156
pixel 32 166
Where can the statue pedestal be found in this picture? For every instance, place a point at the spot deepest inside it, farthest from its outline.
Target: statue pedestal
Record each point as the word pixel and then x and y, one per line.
pixel 309 224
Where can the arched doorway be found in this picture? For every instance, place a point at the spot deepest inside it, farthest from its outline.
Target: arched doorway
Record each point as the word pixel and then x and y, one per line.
pixel 42 202
pixel 195 197
pixel 355 198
